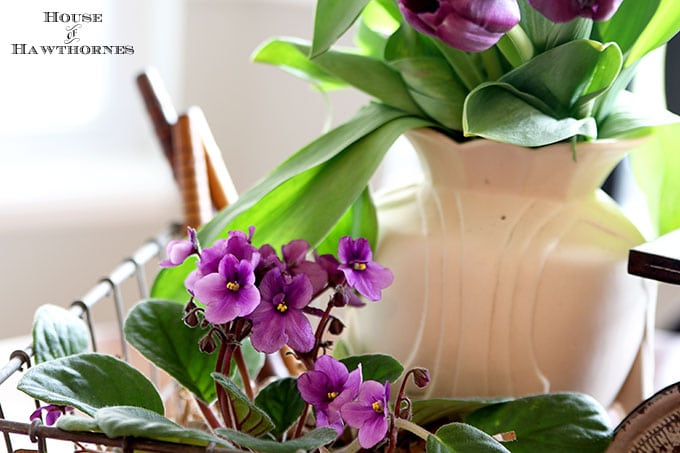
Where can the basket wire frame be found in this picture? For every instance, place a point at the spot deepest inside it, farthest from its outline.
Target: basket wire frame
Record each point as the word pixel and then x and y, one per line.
pixel 108 288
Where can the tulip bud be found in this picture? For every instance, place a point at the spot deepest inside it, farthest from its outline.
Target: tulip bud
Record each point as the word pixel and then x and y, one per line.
pixel 566 10
pixel 467 25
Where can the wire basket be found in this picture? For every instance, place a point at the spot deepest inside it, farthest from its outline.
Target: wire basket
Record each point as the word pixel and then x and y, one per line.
pixel 107 290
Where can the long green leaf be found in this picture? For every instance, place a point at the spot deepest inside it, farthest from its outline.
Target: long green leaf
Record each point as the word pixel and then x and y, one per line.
pixel 332 19
pixel 663 26
pixel 58 333
pixel 370 75
pixel 129 421
pixel 626 25
pixel 309 442
pixel 565 422
pixel 656 165
pixel 285 55
pixel 462 438
pixel 89 382
pixel 498 112
pixel 155 328
pixel 360 220
pixel 250 419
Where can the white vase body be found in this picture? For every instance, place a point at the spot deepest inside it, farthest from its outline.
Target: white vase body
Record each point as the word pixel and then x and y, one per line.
pixel 511 274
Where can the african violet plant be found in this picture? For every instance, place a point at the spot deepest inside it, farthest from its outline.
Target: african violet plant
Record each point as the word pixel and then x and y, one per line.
pixel 246 306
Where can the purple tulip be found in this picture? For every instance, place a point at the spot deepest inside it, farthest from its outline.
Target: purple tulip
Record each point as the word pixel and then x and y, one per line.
pixel 467 25
pixel 566 10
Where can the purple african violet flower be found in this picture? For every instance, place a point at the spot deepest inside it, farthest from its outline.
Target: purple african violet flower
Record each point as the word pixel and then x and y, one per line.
pixel 278 319
pixel 467 25
pixel 566 10
pixel 328 388
pixel 52 413
pixel 295 258
pixel 236 244
pixel 361 272
pixel 178 251
pixel 228 293
pixel 369 413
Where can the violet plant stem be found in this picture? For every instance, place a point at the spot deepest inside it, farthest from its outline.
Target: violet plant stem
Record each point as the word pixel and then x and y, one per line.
pixel 243 371
pixel 208 414
pixel 301 422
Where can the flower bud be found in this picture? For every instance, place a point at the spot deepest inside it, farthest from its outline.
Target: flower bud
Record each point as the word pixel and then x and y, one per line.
pixel 207 343
pixel 336 326
pixel 566 10
pixel 191 319
pixel 421 377
pixel 467 25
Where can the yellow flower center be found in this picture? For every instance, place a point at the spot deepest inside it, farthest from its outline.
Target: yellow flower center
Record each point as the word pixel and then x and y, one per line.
pixel 332 395
pixel 282 307
pixel 233 286
pixel 377 407
pixel 359 266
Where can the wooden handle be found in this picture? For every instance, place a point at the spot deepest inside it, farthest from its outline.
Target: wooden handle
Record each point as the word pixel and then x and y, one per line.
pixel 159 106
pixel 191 171
pixel 222 189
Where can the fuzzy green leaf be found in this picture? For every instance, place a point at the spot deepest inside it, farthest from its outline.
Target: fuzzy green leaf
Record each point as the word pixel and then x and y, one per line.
pixel 564 422
pixel 451 410
pixel 249 418
pixel 375 367
pixel 462 438
pixel 58 333
pixel 127 421
pixel 155 328
pixel 86 382
pixel 309 442
pixel 281 400
pixel 70 422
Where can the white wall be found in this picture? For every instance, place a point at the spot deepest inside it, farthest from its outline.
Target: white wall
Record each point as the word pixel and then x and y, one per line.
pixel 73 205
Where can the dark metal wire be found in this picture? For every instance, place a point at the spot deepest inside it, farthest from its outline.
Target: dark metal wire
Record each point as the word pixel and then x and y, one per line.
pixel 107 288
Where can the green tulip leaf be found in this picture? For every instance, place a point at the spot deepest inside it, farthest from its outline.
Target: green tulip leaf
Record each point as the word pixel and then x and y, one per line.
pixel 664 24
pixel 127 421
pixel 360 220
pixel 156 329
pixel 286 55
pixel 626 25
pixel 656 166
pixel 498 112
pixel 566 77
pixel 371 76
pixel 309 442
pixel 88 382
pixel 331 20
pixel 435 88
pixel 563 422
pixel 375 367
pixel 58 333
pixel 545 34
pixel 249 418
pixel 632 118
pixel 450 410
pixel 281 400
pixel 462 438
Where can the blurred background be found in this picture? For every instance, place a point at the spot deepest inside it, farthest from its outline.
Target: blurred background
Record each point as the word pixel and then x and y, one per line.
pixel 83 180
